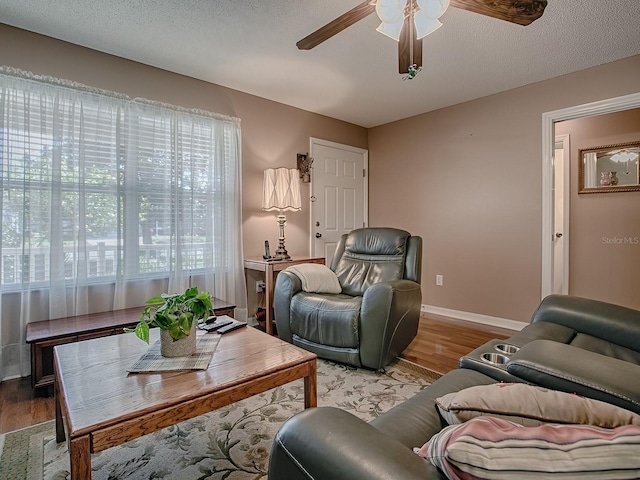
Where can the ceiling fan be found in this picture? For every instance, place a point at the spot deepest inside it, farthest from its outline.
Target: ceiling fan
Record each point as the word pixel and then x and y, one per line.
pixel 408 21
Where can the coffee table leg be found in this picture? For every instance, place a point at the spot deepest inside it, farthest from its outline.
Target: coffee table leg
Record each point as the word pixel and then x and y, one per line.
pixel 60 436
pixel 311 386
pixel 80 458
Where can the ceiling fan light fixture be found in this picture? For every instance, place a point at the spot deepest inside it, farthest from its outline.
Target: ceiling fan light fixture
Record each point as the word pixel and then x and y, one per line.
pixel 391 30
pixel 425 25
pixel 624 156
pixel 391 14
pixel 426 18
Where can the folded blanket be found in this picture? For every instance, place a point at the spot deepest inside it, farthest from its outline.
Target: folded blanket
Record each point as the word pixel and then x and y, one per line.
pixel 316 278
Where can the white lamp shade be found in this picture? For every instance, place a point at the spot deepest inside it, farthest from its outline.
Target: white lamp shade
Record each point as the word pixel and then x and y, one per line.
pixel 391 13
pixel 425 25
pixel 391 30
pixel 281 189
pixel 433 8
pixel 426 19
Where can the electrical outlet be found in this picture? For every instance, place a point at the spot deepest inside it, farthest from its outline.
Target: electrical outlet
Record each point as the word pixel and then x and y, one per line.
pixel 439 280
pixel 260 286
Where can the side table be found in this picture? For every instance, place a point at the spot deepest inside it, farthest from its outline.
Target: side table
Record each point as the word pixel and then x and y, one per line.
pixel 271 270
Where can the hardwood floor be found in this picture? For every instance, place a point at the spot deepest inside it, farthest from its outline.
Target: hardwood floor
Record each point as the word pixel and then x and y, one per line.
pixel 21 406
pixel 438 346
pixel 442 341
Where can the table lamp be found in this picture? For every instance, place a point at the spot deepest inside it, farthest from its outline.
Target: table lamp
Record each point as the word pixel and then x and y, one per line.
pixel 281 191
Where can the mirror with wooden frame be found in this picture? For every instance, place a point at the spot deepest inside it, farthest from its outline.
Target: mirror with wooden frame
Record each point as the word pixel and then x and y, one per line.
pixel 611 168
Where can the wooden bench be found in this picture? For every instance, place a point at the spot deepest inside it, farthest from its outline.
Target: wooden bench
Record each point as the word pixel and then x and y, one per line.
pixel 45 335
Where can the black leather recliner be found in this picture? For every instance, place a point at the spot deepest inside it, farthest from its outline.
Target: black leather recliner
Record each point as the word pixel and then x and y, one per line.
pixel 376 315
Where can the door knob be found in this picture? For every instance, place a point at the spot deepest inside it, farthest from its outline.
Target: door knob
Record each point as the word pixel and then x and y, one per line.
pixel 558 235
pixel 318 235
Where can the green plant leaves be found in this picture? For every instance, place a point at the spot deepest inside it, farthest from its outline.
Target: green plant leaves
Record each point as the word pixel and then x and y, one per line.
pixel 142 331
pixel 174 312
pixel 155 300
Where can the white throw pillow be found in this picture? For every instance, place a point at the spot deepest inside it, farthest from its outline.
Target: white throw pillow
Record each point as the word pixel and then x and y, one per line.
pixel 531 405
pixel 316 278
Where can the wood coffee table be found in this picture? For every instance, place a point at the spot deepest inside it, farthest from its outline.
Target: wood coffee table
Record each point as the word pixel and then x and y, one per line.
pixel 100 405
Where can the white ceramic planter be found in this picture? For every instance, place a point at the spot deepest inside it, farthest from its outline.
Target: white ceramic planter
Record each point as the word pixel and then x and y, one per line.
pixel 178 348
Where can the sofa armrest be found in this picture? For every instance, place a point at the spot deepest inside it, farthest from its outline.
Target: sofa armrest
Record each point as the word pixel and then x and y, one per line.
pixel 614 323
pixel 327 442
pixel 563 367
pixel 417 419
pixel 392 308
pixel 287 285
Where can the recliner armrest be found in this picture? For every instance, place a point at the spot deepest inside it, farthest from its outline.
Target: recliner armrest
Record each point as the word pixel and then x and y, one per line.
pixel 386 305
pixel 326 442
pixel 563 367
pixel 287 285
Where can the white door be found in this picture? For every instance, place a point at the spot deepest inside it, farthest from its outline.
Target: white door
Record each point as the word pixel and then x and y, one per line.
pixel 561 215
pixel 338 194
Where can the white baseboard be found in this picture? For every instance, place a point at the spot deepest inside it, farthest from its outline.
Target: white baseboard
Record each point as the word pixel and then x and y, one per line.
pixel 474 317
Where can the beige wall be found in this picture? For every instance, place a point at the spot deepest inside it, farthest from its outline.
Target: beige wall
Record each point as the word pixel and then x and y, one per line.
pixel 468 178
pixel 604 251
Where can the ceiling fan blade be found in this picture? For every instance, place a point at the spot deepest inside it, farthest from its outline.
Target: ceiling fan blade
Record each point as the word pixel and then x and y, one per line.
pixel 345 20
pixel 409 47
pixel 522 12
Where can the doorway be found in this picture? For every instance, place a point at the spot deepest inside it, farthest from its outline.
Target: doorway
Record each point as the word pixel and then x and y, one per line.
pixel 549 119
pixel 338 194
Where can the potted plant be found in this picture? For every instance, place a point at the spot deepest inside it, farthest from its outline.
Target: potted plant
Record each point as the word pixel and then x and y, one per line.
pixel 176 315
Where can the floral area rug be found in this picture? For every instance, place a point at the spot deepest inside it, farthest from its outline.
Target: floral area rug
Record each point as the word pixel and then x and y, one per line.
pixel 230 443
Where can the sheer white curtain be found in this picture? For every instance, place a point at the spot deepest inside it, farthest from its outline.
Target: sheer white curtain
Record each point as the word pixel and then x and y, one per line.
pixel 107 201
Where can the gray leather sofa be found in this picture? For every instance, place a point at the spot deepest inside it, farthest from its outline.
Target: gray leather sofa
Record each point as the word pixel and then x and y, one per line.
pixel 376 315
pixel 572 344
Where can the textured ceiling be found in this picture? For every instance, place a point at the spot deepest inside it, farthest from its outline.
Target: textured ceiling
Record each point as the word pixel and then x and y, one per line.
pixel 249 45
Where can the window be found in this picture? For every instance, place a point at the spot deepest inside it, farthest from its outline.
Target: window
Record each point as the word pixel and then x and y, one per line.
pixel 96 187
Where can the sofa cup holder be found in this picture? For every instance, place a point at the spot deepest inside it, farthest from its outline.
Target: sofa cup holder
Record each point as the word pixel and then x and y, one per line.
pixel 497 359
pixel 506 349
